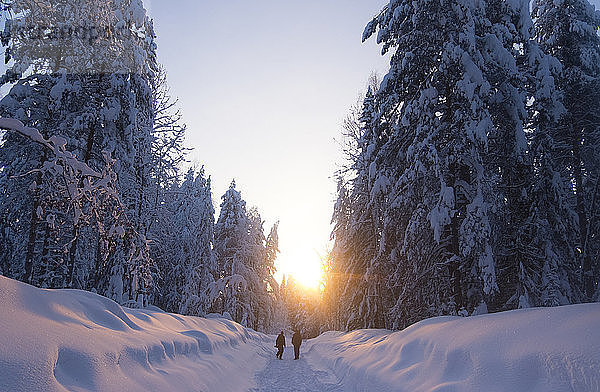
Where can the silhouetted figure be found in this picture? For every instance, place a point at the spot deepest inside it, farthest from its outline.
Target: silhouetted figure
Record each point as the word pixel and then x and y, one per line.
pixel 280 344
pixel 297 341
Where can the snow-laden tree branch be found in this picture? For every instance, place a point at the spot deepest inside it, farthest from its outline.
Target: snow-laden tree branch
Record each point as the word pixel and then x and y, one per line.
pixel 70 195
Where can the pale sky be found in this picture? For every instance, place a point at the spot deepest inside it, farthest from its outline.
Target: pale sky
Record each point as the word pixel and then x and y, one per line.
pixel 264 87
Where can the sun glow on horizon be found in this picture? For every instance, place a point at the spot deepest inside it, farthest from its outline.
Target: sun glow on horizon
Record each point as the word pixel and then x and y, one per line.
pixel 307 272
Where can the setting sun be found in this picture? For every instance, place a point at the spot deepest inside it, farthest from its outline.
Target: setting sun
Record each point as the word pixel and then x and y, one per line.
pixel 305 271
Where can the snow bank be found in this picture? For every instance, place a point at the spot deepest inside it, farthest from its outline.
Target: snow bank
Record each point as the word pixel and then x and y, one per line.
pixel 57 340
pixel 556 349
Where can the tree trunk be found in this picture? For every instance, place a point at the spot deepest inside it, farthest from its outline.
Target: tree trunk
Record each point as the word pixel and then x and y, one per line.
pixel 87 155
pixel 98 266
pixel 33 226
pixel 592 275
pixel 459 175
pixel 31 243
pixel 45 262
pixel 72 253
pixel 588 278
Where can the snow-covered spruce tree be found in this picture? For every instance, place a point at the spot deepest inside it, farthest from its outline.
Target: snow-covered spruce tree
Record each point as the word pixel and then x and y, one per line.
pixel 245 263
pixel 529 224
pixel 200 274
pixel 168 153
pixel 271 309
pixel 36 101
pixel 77 108
pixel 28 102
pixel 79 38
pixel 100 101
pixel 368 222
pixel 74 193
pixel 435 96
pixel 231 231
pixel 470 124
pixel 568 30
pixel 239 248
pixel 356 230
pixel 552 221
pixel 335 279
pixel 182 246
pixel 259 275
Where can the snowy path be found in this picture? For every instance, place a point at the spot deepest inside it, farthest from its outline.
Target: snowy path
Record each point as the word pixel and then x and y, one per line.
pixel 297 376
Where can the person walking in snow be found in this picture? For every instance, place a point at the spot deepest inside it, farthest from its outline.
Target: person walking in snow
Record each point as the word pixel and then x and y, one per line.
pixel 297 341
pixel 280 344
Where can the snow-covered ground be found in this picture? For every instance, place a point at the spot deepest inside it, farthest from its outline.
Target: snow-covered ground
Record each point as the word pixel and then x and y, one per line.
pixel 534 350
pixel 57 340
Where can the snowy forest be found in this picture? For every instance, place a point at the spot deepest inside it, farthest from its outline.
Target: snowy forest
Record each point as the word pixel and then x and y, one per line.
pixel 472 177
pixel 93 191
pixel 470 184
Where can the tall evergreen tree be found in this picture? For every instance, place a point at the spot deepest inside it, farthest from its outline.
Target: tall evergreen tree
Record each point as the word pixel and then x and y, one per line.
pixel 358 224
pixel 336 279
pixel 182 247
pixel 524 106
pixel 231 232
pixel 462 159
pixel 434 98
pixel 98 100
pixel 567 30
pixel 245 261
pixel 201 270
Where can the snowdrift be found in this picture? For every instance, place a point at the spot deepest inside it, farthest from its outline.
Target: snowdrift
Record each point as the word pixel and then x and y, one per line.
pixel 57 340
pixel 549 349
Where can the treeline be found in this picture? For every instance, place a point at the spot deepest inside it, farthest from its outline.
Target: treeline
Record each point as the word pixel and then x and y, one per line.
pixel 98 200
pixel 473 182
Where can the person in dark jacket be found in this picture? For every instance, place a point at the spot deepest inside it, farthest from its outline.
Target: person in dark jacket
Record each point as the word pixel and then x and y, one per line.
pixel 280 344
pixel 297 341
